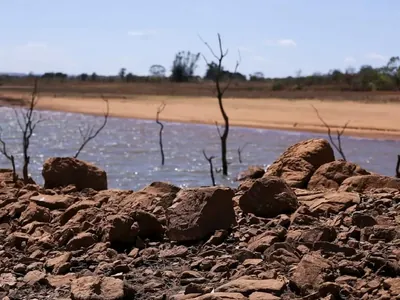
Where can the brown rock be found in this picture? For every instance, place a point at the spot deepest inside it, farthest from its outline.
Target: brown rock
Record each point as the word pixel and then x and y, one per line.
pixel 248 286
pixel 82 240
pixel 221 296
pixel 363 220
pixel 368 183
pixel 263 296
pixel 262 241
pixel 33 277
pixel 57 261
pixel 7 280
pixel 297 164
pixel 197 212
pixel 149 225
pixel 332 202
pixel 119 229
pixel 393 284
pixel 178 251
pixel 252 172
pixel 35 213
pixel 73 209
pixel 268 197
pixel 56 281
pixel 310 272
pixel 53 201
pixel 96 287
pixel 332 174
pixel 157 194
pixel 63 171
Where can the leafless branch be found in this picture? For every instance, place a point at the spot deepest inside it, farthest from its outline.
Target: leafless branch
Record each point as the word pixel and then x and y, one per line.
pixel 239 150
pixel 27 120
pixel 220 91
pixel 398 167
pixel 209 159
pixel 10 157
pixel 90 133
pixel 219 131
pixel 339 133
pixel 159 111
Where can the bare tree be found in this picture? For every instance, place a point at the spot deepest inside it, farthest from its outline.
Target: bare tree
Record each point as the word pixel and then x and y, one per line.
pixel 10 157
pixel 339 133
pixel 398 167
pixel 239 150
pixel 27 120
pixel 220 91
pixel 90 133
pixel 159 111
pixel 209 159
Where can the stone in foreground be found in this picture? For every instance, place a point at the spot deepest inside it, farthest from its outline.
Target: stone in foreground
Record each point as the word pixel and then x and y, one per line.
pixel 96 287
pixel 197 212
pixel 297 164
pixel 248 286
pixel 267 197
pixel 332 174
pixel 63 171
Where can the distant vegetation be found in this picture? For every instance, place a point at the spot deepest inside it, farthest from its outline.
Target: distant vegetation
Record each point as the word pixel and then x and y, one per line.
pixel 184 65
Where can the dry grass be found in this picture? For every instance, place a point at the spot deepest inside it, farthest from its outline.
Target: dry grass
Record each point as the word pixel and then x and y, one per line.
pixel 204 89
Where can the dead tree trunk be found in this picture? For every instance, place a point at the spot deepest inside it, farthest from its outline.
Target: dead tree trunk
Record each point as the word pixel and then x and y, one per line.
pixel 220 91
pixel 27 122
pixel 10 157
pixel 209 159
pixel 90 133
pixel 339 134
pixel 398 167
pixel 159 111
pixel 239 150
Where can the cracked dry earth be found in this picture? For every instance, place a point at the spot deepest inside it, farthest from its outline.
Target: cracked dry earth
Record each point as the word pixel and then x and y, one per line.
pixel 311 227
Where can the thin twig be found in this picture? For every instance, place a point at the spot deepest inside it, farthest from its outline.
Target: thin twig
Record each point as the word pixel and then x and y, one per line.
pixel 90 133
pixel 239 150
pixel 339 133
pixel 209 159
pixel 159 111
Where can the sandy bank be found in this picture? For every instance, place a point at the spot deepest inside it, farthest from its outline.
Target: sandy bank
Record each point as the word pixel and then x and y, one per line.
pixel 374 120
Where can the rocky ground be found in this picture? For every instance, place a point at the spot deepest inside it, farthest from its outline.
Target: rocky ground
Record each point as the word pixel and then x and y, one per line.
pixel 311 227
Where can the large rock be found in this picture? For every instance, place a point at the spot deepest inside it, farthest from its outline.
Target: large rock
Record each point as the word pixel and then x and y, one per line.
pixel 297 164
pixel 63 171
pixel 310 273
pixel 368 183
pixel 332 174
pixel 330 202
pixel 96 287
pixel 197 212
pixel 252 172
pixel 154 198
pixel 267 197
pixel 118 230
pixel 248 286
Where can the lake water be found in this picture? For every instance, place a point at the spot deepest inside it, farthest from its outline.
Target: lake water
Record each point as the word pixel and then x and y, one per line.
pixel 128 149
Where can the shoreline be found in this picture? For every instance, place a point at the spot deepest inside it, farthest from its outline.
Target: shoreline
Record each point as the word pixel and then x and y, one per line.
pixel 274 114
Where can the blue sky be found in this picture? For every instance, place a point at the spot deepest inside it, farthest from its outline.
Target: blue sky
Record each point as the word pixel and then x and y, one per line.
pixel 276 37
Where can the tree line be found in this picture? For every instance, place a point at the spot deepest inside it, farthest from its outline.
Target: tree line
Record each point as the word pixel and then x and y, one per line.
pixel 185 63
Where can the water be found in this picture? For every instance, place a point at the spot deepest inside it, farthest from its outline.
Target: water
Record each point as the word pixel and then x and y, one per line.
pixel 128 149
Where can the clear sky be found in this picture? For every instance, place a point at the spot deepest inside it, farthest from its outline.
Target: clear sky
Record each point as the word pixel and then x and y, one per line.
pixel 276 37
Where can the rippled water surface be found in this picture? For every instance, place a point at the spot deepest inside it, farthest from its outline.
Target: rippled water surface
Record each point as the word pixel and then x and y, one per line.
pixel 128 149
